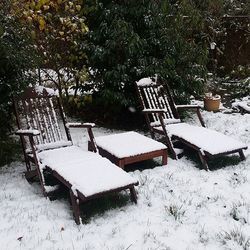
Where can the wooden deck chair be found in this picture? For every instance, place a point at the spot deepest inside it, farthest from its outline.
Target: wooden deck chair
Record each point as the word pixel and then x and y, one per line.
pixel 162 117
pixel 48 146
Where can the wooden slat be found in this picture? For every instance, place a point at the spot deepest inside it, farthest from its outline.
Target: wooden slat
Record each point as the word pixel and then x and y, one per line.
pixel 54 117
pixel 52 120
pixel 39 127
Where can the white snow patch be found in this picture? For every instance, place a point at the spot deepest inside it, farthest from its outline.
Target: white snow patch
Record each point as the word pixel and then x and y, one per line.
pixel 28 131
pixel 53 145
pixel 147 81
pixel 243 103
pixel 179 206
pixel 41 89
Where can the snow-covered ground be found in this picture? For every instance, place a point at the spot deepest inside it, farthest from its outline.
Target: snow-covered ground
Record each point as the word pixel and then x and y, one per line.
pixel 179 205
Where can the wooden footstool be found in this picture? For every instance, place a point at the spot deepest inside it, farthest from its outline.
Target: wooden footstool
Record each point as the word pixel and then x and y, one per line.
pixel 129 147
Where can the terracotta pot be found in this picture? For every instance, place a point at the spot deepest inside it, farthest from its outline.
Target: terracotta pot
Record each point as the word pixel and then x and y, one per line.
pixel 212 103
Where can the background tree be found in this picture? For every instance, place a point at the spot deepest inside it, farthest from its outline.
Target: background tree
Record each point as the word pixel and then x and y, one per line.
pixel 57 27
pixel 133 39
pixel 17 56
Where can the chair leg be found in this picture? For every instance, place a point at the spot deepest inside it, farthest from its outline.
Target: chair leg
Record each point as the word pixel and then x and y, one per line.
pixel 133 195
pixel 171 149
pixel 200 118
pixel 165 157
pixel 203 161
pixel 242 156
pixel 121 164
pixel 30 175
pixel 75 207
pixel 152 134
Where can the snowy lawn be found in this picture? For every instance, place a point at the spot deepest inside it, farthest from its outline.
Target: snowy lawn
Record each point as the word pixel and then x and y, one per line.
pixel 179 205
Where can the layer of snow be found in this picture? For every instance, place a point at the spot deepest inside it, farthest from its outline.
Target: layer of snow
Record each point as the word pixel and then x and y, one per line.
pixel 148 81
pixel 41 89
pixel 74 124
pixel 210 96
pixel 166 122
pixel 244 103
pixel 189 106
pixel 207 140
pixel 28 131
pixel 53 145
pixel 128 144
pixel 245 106
pixel 179 206
pixel 88 172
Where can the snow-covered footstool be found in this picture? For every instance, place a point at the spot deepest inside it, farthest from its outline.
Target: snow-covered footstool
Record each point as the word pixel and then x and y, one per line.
pixel 129 147
pixel 243 106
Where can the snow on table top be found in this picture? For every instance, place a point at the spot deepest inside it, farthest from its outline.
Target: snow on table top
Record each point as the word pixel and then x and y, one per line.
pixel 207 140
pixel 128 144
pixel 88 172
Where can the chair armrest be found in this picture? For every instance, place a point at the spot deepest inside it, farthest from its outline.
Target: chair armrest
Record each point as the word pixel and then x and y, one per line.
pixel 79 125
pixel 156 111
pixel 188 106
pixel 197 107
pixel 88 126
pixel 28 132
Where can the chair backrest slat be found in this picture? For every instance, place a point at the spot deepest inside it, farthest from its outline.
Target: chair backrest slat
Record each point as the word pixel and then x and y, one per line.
pixel 51 121
pixel 55 120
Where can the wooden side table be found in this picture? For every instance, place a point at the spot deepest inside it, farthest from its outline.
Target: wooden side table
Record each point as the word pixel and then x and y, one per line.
pixel 129 147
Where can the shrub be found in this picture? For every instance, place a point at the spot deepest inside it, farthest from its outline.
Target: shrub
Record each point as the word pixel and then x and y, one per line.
pixel 129 40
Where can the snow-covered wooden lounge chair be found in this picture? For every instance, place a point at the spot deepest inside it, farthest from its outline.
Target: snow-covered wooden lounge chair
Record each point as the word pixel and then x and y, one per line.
pixel 162 117
pixel 87 175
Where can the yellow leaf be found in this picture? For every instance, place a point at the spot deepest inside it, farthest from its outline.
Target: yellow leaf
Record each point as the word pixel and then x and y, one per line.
pixel 41 23
pixel 78 7
pixel 73 27
pixel 33 34
pixel 32 5
pixel 46 7
pixel 29 18
pixel 41 2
